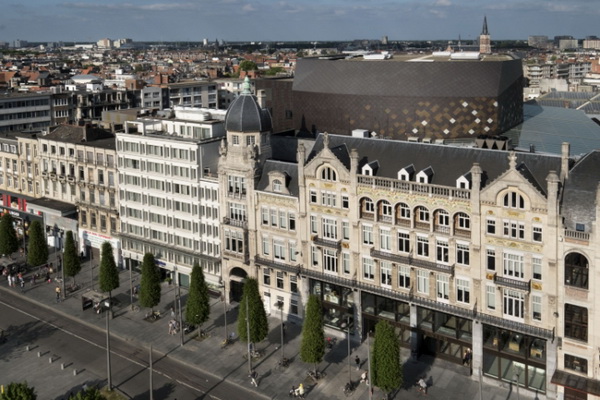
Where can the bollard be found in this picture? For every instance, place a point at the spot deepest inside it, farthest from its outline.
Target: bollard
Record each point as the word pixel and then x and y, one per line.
pixel 75 372
pixel 62 366
pixel 39 354
pixel 27 348
pixel 50 359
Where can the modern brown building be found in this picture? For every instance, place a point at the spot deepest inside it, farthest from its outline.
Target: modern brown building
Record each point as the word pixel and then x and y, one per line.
pixel 440 95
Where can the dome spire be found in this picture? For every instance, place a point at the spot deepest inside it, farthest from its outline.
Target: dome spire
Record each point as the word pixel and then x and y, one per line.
pixel 246 87
pixel 484 31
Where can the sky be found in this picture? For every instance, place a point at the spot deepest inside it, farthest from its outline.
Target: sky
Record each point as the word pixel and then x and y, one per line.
pixel 293 20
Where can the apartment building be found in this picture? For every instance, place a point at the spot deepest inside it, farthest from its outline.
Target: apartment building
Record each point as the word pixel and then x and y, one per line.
pixel 491 254
pixel 168 194
pixel 24 111
pixel 78 167
pixel 193 94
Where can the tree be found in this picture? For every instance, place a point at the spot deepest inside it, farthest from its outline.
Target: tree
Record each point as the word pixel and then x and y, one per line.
pixel 312 348
pixel 197 309
pixel 71 260
pixel 386 368
pixel 108 277
pixel 150 285
pixel 259 324
pixel 18 391
pixel 8 236
pixel 37 249
pixel 91 393
pixel 247 65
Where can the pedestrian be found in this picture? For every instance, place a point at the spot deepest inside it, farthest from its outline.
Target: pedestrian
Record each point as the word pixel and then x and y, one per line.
pixel 253 378
pixel 357 362
pixel 364 377
pixel 422 386
pixel 467 357
pixel 57 291
pixel 22 283
pixel 172 312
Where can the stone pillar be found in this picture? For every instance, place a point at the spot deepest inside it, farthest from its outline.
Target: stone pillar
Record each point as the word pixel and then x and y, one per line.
pixel 551 366
pixel 477 361
pixel 415 337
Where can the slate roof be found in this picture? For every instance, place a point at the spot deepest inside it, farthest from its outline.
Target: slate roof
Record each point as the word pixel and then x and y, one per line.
pixel 245 115
pixel 448 163
pixel 579 195
pixel 95 137
pixel 408 79
pixel 291 169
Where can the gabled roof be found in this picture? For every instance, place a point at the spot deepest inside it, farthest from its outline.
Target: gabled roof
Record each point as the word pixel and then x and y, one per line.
pixel 579 195
pixel 449 163
pixel 522 168
pixel 290 169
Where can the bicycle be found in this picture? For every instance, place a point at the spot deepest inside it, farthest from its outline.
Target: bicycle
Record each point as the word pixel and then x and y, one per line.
pixel 283 363
pixel 154 316
pixel 315 375
pixel 135 308
pixel 348 389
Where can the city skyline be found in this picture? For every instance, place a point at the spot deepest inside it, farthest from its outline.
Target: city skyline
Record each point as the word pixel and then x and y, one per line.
pixel 256 20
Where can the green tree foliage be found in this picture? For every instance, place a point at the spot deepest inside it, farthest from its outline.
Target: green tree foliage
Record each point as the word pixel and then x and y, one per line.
pixel 8 236
pixel 37 248
pixel 108 277
pixel 91 393
pixel 18 391
pixel 248 65
pixel 150 285
pixel 71 260
pixel 386 368
pixel 197 308
pixel 259 324
pixel 312 348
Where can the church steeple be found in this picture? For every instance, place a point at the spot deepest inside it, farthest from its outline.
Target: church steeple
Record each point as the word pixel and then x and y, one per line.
pixel 484 31
pixel 485 43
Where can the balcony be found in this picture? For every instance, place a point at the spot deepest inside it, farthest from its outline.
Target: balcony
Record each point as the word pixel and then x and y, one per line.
pixel 445 229
pixel 576 236
pixel 413 262
pixel 282 266
pixel 512 283
pixel 395 185
pixel 236 194
pixel 462 233
pixel 235 222
pixel 334 244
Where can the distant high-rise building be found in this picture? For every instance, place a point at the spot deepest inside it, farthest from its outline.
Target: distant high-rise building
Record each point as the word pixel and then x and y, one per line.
pixel 104 43
pixel 564 44
pixel 557 39
pixel 485 46
pixel 538 41
pixel 384 40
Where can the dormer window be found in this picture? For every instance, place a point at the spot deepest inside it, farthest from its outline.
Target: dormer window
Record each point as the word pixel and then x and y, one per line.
pixel 370 168
pixel 406 173
pixel 277 185
pixel 464 182
pixel 425 176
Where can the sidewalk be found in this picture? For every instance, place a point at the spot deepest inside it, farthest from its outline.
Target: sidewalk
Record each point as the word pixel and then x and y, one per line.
pixel 447 380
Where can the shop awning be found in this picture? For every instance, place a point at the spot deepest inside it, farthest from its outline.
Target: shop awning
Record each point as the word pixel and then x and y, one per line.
pixel 576 382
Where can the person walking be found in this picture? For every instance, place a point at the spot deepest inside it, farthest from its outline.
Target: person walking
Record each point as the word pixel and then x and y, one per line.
pixel 254 378
pixel 467 357
pixel 22 283
pixel 357 362
pixel 57 291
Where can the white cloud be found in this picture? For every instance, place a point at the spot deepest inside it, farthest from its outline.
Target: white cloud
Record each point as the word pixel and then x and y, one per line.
pixel 444 3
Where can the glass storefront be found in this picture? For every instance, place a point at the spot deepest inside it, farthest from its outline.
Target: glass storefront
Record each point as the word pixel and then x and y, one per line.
pixel 444 335
pixel 375 308
pixel 338 304
pixel 514 357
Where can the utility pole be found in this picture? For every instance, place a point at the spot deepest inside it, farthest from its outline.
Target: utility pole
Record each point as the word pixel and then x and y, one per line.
pixel 370 378
pixel 280 305
pixel 180 313
pixel 108 370
pixel 248 336
pixel 151 383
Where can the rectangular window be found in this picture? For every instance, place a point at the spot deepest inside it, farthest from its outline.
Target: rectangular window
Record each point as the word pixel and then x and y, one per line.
pixel 537 233
pixel 266 276
pixel 576 363
pixel 385 239
pixel 403 242
pixel 491 259
pixel 536 307
pixel 329 228
pixel 313 224
pixel 385 268
pixel 278 250
pixel 367 235
pixel 346 263
pixel 265 216
pixel 536 265
pixel 513 265
pixel 491 226
pixel 273 215
pixel 368 269
pixel 266 246
pixel 292 221
pixel 490 294
pixel 293 284
pixel 328 199
pixel 423 281
pixel 279 279
pixel 293 251
pixel 514 302
pixel 441 247
pixel 315 255
pixel 294 306
pixel 345 201
pixel 443 286
pixel 463 291
pixel 404 276
pixel 313 196
pixel 330 260
pixel 283 219
pixel 345 230
pixel 514 229
pixel 576 322
pixel 462 254
pixel 423 246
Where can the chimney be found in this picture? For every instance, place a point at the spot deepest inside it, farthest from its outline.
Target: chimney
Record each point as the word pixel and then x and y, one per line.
pixel 564 165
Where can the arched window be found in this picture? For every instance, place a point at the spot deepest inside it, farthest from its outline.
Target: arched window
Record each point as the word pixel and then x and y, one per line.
pixel 367 208
pixel 328 174
pixel 443 218
pixel 276 185
pixel 403 211
pixel 385 210
pixel 576 270
pixel 514 200
pixel 422 214
pixel 462 221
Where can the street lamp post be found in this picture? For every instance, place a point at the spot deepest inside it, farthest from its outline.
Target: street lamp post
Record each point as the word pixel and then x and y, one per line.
pixel 369 379
pixel 108 371
pixel 224 299
pixel 349 365
pixel 180 313
pixel 248 337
